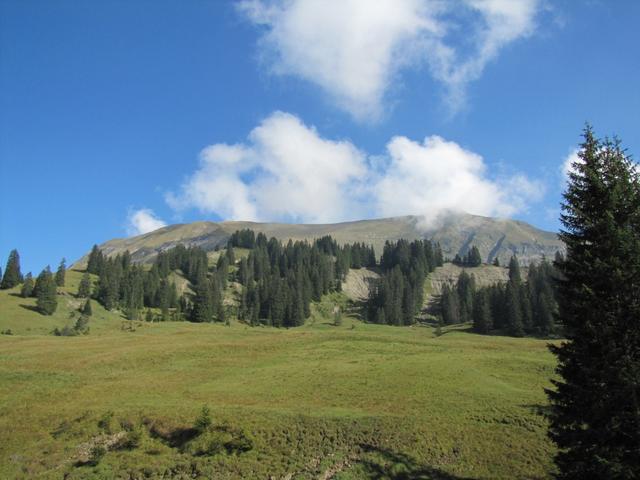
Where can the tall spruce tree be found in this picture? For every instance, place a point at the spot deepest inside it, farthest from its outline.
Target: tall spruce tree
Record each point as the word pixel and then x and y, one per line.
pixel 203 307
pixel 12 275
pixel 27 286
pixel 513 309
pixel 86 309
pixel 61 273
pixel 595 406
pixel 46 288
pixel 450 305
pixel 95 261
pixel 482 320
pixel 513 298
pixel 84 289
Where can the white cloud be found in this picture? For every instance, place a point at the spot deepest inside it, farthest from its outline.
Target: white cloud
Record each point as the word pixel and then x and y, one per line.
pixel 355 49
pixel 567 164
pixel 143 221
pixel 287 172
pixel 439 176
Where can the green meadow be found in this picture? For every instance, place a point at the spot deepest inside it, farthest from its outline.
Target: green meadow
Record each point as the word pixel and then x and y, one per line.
pixel 318 401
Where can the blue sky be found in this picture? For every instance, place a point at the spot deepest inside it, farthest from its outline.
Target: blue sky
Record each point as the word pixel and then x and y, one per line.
pixel 119 116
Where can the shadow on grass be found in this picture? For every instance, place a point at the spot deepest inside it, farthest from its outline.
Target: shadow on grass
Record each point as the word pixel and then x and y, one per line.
pixel 398 466
pixel 30 307
pixel 538 409
pixel 175 437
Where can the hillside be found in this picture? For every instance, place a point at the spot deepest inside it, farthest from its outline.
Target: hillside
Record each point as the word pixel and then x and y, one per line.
pixel 20 316
pixel 359 282
pixel 351 400
pixel 456 233
pixel 359 401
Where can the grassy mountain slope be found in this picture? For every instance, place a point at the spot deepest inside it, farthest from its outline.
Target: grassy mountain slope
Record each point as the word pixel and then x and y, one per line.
pixel 355 401
pixel 456 233
pixel 20 316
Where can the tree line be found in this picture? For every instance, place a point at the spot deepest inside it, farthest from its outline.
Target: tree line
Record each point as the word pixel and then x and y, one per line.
pixel 280 281
pixel 397 297
pixel 471 259
pixel 130 287
pixel 516 307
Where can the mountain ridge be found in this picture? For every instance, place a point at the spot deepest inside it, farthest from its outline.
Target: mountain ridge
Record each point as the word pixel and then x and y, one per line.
pixel 456 233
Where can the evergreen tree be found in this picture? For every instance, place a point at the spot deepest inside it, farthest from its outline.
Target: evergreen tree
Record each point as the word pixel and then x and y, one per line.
pixel 474 259
pixel 514 270
pixel 595 406
pixel 84 289
pixel 12 275
pixel 496 262
pixel 86 309
pixel 94 263
pixel 202 301
pixel 61 273
pixel 466 289
pixel 230 254
pixel 540 282
pixel 438 256
pixel 513 309
pixel 450 305
pixel 46 288
pixel 27 286
pixel 482 318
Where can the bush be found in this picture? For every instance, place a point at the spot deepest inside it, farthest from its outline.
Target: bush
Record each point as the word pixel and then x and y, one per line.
pixel 203 421
pixel 105 422
pixel 82 325
pixel 96 454
pixel 209 444
pixel 65 331
pixel 130 441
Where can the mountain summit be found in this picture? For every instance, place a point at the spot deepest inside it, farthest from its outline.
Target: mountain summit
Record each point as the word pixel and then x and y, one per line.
pixel 456 233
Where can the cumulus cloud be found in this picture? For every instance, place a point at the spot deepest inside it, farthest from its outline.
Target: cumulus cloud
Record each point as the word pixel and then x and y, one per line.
pixel 355 49
pixel 143 221
pixel 438 176
pixel 287 172
pixel 567 164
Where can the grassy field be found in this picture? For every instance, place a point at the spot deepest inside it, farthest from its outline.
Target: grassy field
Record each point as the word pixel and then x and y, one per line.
pixel 319 401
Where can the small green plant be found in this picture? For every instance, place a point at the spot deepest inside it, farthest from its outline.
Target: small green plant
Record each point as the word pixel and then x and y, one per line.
pixel 131 440
pixel 208 444
pixel 82 325
pixel 96 454
pixel 66 331
pixel 105 422
pixel 204 419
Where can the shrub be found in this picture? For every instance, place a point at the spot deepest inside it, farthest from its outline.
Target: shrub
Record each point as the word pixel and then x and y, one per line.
pixel 96 454
pixel 105 422
pixel 131 440
pixel 204 419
